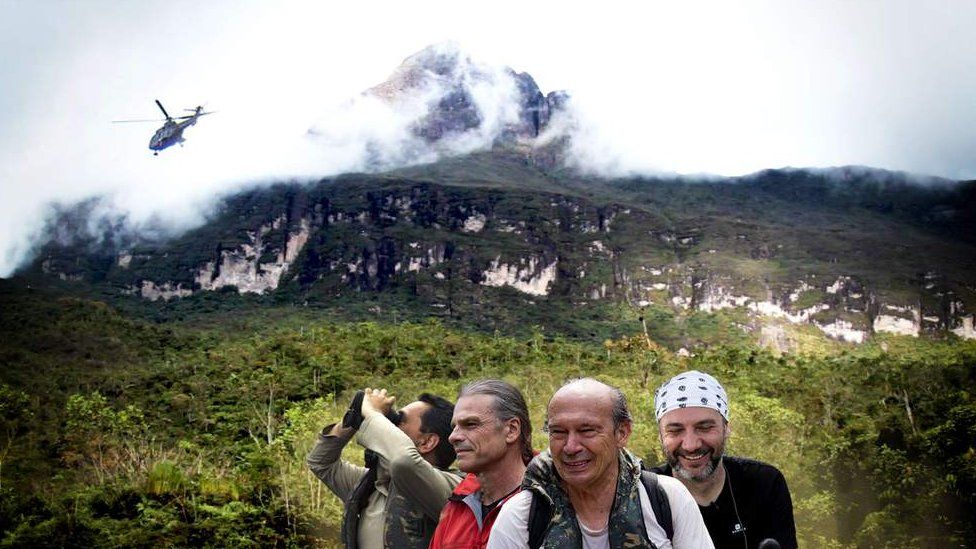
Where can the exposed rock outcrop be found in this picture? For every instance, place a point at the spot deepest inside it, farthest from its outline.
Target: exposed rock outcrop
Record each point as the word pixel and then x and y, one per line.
pixel 451 234
pixel 242 267
pixel 528 276
pixel 463 95
pixel 166 291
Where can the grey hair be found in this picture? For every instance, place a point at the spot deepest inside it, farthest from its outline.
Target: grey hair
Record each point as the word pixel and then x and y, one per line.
pixel 620 413
pixel 508 403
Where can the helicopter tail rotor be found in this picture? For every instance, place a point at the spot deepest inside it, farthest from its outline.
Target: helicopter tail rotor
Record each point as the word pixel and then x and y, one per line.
pixel 198 111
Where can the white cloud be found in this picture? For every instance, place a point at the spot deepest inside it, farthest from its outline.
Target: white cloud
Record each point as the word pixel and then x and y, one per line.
pixel 713 87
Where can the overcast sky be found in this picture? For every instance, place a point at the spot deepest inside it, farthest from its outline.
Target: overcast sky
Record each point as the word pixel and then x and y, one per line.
pixel 691 87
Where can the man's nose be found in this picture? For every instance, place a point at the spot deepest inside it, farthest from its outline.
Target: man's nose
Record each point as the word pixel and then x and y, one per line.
pixel 455 436
pixel 690 442
pixel 572 445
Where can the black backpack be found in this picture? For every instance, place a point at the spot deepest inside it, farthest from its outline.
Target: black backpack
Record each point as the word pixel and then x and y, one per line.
pixel 540 512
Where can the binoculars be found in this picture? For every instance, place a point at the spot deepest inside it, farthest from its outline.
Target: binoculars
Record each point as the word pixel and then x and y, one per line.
pixel 354 415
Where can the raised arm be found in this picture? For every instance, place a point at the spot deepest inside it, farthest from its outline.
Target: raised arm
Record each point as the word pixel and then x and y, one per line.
pixel 417 479
pixel 324 461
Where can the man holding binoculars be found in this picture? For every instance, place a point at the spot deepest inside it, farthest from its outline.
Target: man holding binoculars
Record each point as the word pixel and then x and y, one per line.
pixel 394 501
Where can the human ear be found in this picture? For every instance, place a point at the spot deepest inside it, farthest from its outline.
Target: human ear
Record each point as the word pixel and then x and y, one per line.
pixel 513 428
pixel 623 433
pixel 428 442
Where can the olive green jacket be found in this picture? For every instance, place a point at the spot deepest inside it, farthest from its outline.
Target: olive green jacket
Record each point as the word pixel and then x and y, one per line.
pixel 395 506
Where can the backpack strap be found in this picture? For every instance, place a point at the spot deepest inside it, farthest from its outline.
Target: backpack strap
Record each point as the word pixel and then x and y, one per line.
pixel 540 513
pixel 659 502
pixel 540 510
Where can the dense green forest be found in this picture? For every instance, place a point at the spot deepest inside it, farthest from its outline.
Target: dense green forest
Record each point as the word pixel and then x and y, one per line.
pixel 124 431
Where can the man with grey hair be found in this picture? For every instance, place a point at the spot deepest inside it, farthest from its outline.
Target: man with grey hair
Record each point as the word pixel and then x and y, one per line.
pixel 493 440
pixel 744 502
pixel 589 491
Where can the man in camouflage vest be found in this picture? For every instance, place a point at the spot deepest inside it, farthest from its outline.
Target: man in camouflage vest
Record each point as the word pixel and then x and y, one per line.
pixel 593 484
pixel 395 501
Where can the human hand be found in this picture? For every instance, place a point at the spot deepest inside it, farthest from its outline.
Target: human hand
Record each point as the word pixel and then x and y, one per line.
pixel 376 401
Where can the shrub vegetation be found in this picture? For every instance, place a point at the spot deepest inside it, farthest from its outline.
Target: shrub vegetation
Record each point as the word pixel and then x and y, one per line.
pixel 118 431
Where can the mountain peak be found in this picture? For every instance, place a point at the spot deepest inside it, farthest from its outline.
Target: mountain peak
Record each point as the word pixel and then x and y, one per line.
pixel 416 71
pixel 461 95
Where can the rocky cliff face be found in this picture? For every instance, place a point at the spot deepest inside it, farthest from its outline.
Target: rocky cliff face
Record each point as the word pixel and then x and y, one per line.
pixel 462 95
pixel 457 236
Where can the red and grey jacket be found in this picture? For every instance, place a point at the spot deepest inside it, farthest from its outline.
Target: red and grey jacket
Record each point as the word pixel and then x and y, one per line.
pixel 461 525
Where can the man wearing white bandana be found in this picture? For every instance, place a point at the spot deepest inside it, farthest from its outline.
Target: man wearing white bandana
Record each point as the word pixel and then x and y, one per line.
pixel 744 502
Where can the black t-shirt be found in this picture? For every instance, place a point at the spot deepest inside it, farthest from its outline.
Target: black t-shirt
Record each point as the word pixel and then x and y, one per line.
pixel 760 495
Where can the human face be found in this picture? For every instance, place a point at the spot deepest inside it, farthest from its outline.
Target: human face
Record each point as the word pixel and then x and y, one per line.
pixel 693 440
pixel 413 414
pixel 479 438
pixel 582 439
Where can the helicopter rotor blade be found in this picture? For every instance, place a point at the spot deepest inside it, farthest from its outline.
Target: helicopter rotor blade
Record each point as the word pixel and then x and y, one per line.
pixel 166 114
pixel 145 120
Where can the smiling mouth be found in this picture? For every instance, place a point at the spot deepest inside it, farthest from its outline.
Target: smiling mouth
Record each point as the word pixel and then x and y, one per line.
pixel 576 465
pixel 695 458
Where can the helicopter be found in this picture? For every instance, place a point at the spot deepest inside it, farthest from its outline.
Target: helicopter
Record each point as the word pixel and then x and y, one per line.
pixel 172 131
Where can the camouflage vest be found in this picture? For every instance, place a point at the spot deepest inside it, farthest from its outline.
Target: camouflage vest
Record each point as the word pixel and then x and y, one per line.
pixel 405 526
pixel 626 522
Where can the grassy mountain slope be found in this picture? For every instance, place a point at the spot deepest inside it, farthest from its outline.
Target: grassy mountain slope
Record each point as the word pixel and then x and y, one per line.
pixel 123 432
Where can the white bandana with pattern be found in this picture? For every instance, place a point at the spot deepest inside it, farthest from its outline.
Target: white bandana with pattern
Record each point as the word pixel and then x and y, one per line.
pixel 689 390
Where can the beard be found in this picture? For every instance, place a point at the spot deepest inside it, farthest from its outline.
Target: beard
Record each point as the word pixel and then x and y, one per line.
pixel 715 456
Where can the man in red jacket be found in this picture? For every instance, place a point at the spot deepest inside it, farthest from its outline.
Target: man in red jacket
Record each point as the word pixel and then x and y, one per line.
pixel 493 440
